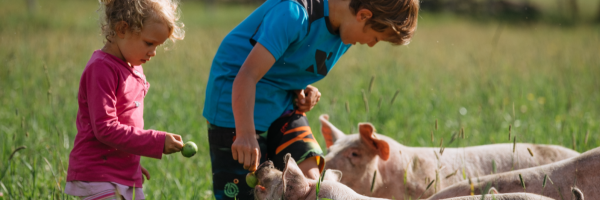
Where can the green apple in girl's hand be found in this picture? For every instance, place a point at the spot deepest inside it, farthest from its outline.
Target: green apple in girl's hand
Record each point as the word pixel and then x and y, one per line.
pixel 251 180
pixel 189 149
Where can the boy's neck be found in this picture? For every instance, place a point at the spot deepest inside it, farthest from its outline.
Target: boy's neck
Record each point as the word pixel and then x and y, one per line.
pixel 338 10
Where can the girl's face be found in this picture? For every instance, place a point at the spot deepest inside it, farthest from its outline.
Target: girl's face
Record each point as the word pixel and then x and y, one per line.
pixel 138 48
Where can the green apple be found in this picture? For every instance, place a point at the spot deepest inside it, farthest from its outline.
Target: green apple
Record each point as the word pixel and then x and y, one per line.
pixel 189 149
pixel 251 180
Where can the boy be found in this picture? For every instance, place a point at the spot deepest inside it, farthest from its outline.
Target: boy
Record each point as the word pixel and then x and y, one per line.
pixel 269 58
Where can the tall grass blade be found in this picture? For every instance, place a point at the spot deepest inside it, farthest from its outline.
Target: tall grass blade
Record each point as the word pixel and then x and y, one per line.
pixel 318 189
pixel 431 136
pixel 453 173
pixel 373 181
pixel 522 181
pixel 428 186
pixel 10 160
pixel 485 190
pixel 509 127
pixel 453 137
pixel 365 100
pixel 394 97
pixel 514 143
pixel 587 134
pixel 347 107
pixel 574 142
pixel 49 85
pixel 371 83
pixel 472 187
pixel 5 190
pixel 514 116
pixel 53 174
pixel 544 182
pixel 530 152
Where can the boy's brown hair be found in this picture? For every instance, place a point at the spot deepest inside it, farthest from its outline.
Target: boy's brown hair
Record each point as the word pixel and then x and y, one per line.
pixel 399 15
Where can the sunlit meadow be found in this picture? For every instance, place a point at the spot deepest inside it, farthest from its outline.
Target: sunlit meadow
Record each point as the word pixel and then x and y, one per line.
pixel 541 79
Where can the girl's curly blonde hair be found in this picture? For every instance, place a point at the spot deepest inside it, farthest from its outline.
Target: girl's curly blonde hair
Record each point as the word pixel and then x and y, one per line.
pixel 136 12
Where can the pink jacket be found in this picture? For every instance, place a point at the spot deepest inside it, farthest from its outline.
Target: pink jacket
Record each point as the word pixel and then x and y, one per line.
pixel 110 136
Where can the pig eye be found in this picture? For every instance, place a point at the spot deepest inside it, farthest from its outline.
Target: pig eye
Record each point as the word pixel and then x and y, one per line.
pixel 354 154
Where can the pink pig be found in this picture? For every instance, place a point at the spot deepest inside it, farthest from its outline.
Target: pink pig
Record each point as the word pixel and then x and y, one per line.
pixel 404 172
pixel 493 195
pixel 581 171
pixel 272 182
pixel 510 196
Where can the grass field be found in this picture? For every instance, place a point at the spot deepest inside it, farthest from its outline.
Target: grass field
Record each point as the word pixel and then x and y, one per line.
pixel 540 79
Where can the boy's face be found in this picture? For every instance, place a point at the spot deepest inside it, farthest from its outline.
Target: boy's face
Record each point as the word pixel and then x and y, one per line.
pixel 138 48
pixel 357 31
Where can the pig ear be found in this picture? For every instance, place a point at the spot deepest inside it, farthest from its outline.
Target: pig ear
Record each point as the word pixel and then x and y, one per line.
pixel 577 193
pixel 333 175
pixel 492 191
pixel 292 174
pixel 367 134
pixel 329 132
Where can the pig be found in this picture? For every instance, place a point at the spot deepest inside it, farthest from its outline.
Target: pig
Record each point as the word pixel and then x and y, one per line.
pixel 509 196
pixel 493 195
pixel 272 183
pixel 403 172
pixel 581 171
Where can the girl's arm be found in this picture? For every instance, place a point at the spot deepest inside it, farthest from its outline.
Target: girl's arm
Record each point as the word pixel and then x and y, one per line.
pixel 100 81
pixel 245 148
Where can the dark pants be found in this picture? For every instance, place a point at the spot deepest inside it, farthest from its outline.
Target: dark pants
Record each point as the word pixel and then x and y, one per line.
pixel 288 134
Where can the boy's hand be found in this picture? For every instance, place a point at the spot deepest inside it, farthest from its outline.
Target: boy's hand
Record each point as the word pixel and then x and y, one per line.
pixel 145 173
pixel 173 143
pixel 246 151
pixel 307 98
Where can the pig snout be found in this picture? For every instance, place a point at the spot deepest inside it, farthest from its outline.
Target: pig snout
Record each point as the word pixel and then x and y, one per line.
pixel 267 173
pixel 265 166
pixel 269 181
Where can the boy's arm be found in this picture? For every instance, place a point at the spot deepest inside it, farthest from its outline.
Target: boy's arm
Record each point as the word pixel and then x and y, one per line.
pixel 245 148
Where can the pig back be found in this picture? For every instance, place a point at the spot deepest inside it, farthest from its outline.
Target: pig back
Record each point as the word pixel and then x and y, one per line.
pixel 510 196
pixel 497 158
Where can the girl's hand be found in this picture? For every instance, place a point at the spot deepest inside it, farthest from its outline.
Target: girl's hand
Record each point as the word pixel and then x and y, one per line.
pixel 307 98
pixel 145 173
pixel 173 143
pixel 246 151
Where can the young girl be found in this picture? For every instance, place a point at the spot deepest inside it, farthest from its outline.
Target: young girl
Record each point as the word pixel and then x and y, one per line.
pixel 105 160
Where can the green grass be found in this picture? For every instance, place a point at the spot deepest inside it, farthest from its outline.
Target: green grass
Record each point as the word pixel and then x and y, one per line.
pixel 540 78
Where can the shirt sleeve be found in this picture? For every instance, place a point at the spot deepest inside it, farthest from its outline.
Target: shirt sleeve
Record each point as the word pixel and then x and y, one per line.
pixel 101 85
pixel 284 24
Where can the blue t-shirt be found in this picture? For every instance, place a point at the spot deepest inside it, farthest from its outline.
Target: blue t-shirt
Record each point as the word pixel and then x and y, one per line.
pixel 300 37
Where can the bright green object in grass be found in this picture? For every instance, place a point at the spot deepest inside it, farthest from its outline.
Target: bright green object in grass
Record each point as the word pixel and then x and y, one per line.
pixel 189 149
pixel 251 180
